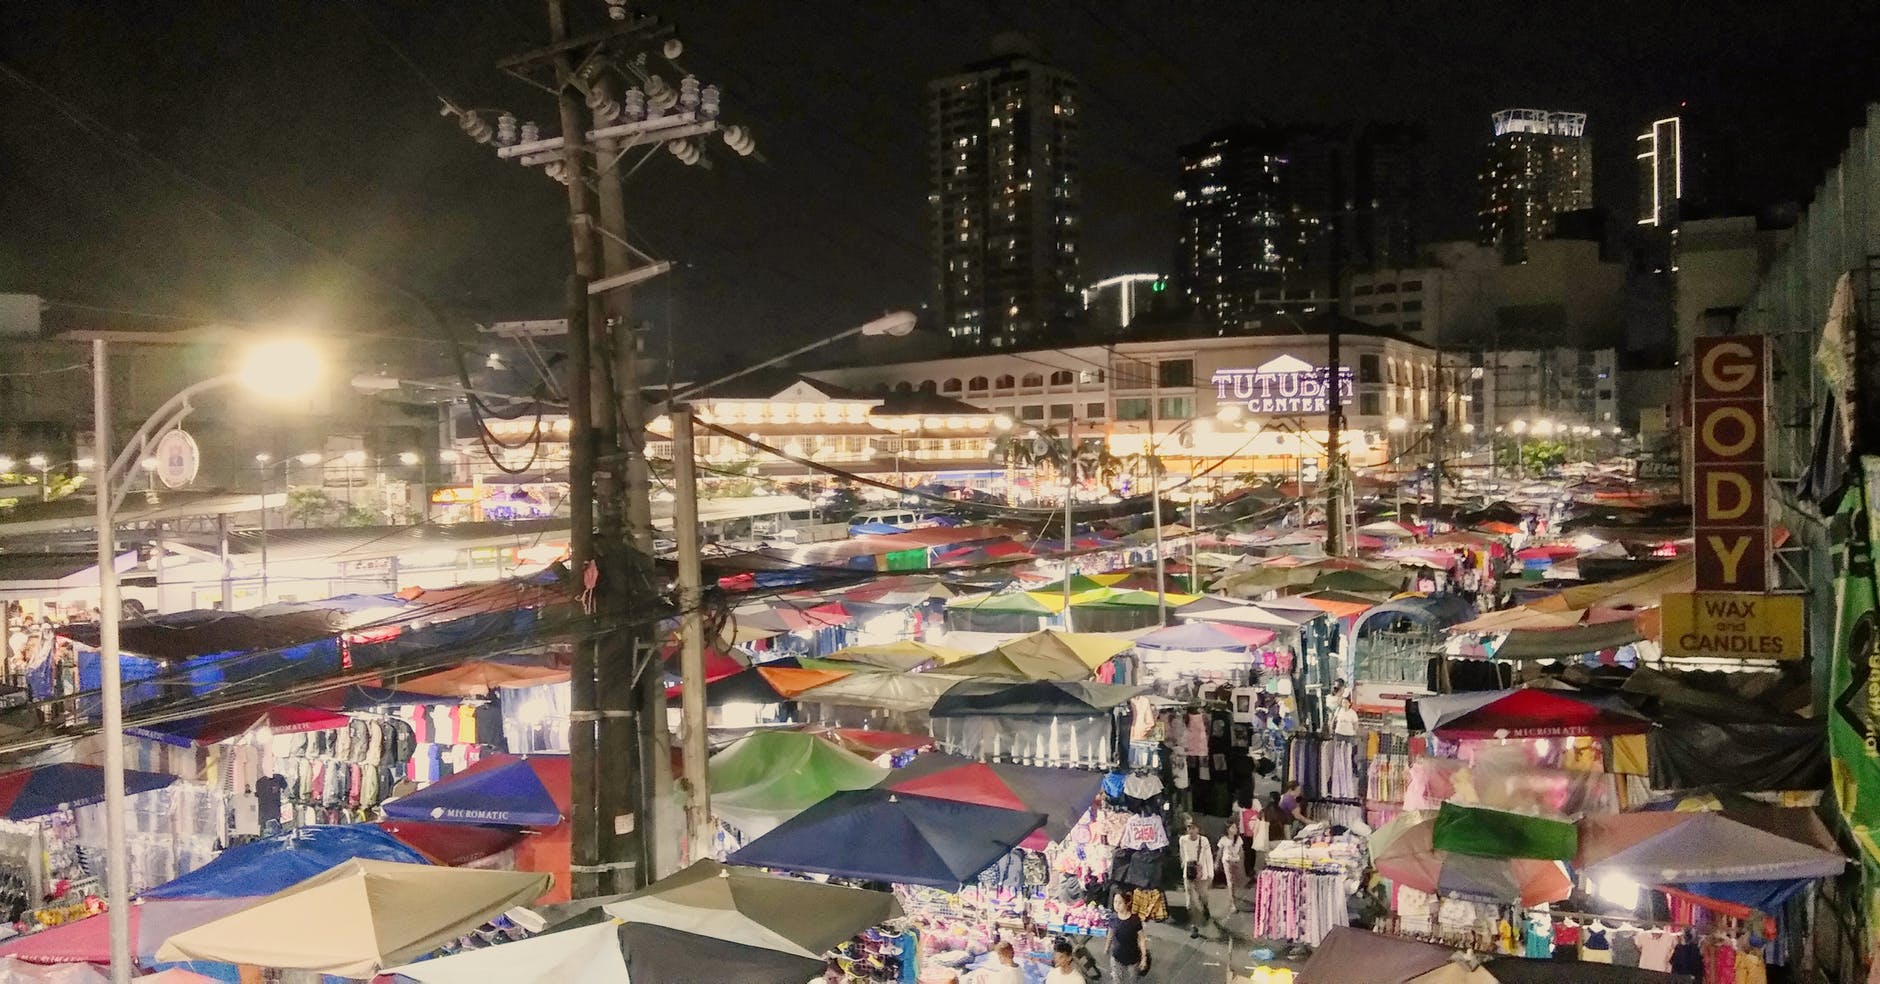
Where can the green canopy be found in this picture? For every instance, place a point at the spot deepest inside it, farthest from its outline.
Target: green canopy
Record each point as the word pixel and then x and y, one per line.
pixel 768 777
pixel 1079 583
pixel 1498 834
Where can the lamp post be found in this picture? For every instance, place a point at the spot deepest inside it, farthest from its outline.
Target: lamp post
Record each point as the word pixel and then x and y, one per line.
pixel 279 369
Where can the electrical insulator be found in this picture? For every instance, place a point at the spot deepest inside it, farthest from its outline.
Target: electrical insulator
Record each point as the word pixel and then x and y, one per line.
pixel 633 106
pixel 506 130
pixel 476 126
pixel 685 150
pixel 606 111
pixel 672 49
pixel 708 103
pixel 557 169
pixel 531 132
pixel 617 10
pixel 739 140
pixel 688 94
pixel 659 94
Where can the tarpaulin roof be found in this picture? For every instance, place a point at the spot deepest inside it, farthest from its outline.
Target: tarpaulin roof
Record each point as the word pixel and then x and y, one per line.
pixel 901 692
pixel 1573 640
pixel 451 844
pixel 88 940
pixel 1062 795
pixel 1431 610
pixel 1011 602
pixel 747 686
pixel 1518 970
pixel 44 789
pixel 591 954
pixel 1013 663
pixel 1499 834
pixel 1241 613
pixel 1413 860
pixel 1355 956
pixel 792 681
pixel 180 635
pixel 1206 636
pixel 754 908
pixel 478 677
pixel 668 956
pixel 271 864
pixel 1688 751
pixel 903 655
pixel 510 790
pixel 869 742
pixel 280 719
pixel 881 835
pixel 1528 713
pixel 766 778
pixel 1049 647
pixel 1076 698
pixel 1706 847
pixel 357 918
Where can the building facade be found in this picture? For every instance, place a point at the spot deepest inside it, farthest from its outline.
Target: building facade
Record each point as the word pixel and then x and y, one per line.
pixel 1539 164
pixel 1235 404
pixel 1003 200
pixel 1461 296
pixel 1562 387
pixel 1112 303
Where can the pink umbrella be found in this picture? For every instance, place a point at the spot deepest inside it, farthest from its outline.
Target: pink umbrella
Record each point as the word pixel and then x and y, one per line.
pixel 89 940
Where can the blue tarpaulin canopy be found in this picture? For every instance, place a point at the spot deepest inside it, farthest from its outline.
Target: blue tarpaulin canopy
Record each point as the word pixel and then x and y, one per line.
pixel 507 790
pixel 45 789
pixel 881 835
pixel 874 529
pixel 268 865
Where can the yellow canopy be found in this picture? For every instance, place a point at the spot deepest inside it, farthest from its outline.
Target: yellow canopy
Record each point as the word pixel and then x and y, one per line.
pixel 903 655
pixel 355 919
pixel 1088 648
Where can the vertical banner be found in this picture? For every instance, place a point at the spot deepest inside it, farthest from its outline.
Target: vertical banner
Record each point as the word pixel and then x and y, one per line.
pixel 1853 683
pixel 1730 514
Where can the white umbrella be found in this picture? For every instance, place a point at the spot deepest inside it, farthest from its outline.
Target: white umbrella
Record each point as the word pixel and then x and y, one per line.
pixel 587 955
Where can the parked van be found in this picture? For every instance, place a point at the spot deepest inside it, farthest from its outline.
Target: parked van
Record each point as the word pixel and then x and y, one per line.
pixel 904 518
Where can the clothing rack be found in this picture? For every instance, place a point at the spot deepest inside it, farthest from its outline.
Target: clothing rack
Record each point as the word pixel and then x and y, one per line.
pixel 1610 920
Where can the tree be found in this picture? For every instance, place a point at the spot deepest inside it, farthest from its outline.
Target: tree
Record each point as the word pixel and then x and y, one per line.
pixel 313 507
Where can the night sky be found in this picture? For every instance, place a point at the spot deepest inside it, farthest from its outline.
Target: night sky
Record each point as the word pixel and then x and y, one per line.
pixel 277 161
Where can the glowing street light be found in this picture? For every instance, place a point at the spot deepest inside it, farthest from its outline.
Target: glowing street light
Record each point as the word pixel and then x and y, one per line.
pixel 311 458
pixel 1396 425
pixel 1518 426
pixel 275 369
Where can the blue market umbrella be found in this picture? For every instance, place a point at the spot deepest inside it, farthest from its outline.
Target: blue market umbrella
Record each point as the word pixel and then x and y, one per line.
pixel 45 789
pixel 504 790
pixel 268 865
pixel 880 835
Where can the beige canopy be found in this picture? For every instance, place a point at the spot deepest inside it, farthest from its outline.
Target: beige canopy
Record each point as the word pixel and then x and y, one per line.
pixel 357 918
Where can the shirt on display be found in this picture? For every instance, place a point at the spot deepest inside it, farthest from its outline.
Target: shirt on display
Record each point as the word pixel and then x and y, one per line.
pixel 1654 950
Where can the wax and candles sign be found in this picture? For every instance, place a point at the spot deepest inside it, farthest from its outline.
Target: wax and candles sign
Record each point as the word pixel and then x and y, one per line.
pixel 1732 624
pixel 1730 508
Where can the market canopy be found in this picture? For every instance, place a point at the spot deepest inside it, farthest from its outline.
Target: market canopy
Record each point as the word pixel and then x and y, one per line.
pixel 1044 655
pixel 899 692
pixel 481 677
pixel 1206 637
pixel 1499 834
pixel 1527 713
pixel 451 844
pixel 869 742
pixel 901 838
pixel 1413 860
pixel 271 864
pixel 279 719
pixel 590 954
pixel 1355 956
pixel 1547 642
pixel 1042 698
pixel 669 956
pixel 47 789
pixel 763 779
pixel 357 918
pixel 754 908
pixel 509 790
pixel 1698 847
pixel 791 681
pixel 905 655
pixel 1062 795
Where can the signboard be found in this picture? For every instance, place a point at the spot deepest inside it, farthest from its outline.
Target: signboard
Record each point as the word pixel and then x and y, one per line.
pixel 1854 675
pixel 1729 505
pixel 451 495
pixel 1284 385
pixel 178 459
pixel 1733 624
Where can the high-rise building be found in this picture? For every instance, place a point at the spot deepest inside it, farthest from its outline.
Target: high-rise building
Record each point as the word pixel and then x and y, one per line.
pixel 1539 164
pixel 1003 194
pixel 1660 172
pixel 1235 221
pixel 1270 215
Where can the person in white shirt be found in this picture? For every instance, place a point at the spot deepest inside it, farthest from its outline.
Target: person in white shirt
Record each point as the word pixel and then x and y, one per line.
pixel 1063 966
pixel 1232 853
pixel 1004 968
pixel 1197 856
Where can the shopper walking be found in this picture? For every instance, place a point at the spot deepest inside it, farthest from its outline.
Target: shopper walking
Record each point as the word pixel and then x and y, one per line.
pixel 1197 856
pixel 1129 955
pixel 1232 852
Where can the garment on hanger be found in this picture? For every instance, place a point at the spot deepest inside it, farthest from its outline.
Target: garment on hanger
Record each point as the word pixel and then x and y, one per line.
pixel 1596 948
pixel 1655 947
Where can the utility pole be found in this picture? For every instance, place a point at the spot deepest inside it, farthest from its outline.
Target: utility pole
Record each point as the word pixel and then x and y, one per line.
pixel 1070 488
pixel 698 797
pixel 1335 411
pixel 1440 419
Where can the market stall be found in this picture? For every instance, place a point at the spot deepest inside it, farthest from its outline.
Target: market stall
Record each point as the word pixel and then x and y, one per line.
pixel 1044 722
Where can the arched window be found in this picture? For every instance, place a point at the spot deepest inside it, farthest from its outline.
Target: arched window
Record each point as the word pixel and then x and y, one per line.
pixel 1032 379
pixel 976 384
pixel 1003 382
pixel 951 385
pixel 904 387
pixel 881 388
pixel 1062 377
pixel 926 386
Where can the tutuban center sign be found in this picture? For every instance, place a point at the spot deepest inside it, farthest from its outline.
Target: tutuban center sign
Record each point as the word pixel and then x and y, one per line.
pixel 1285 384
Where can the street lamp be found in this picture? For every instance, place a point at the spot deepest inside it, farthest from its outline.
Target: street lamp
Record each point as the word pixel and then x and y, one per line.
pixel 408 459
pixel 280 369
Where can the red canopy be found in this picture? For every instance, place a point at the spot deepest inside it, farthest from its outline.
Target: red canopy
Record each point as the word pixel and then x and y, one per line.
pixel 1528 713
pixel 452 844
